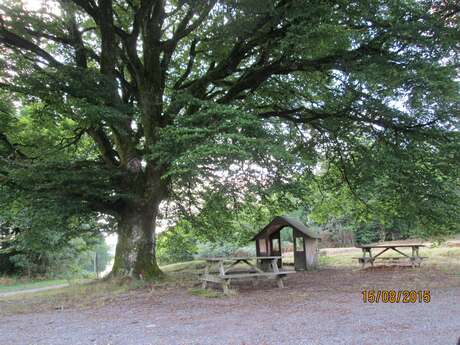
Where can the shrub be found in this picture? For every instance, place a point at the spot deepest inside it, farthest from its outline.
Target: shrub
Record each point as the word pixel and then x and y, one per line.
pixel 176 245
pixel 223 250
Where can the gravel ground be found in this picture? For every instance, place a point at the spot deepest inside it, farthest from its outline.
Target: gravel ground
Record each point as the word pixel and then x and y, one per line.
pixel 323 307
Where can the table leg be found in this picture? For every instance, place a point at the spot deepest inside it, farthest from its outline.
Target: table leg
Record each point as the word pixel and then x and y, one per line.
pixel 369 256
pixel 204 284
pixel 416 261
pixel 226 286
pixel 279 279
pixel 280 282
pixel 221 268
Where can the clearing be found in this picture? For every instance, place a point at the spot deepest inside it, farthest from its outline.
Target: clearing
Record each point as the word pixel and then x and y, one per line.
pixel 321 307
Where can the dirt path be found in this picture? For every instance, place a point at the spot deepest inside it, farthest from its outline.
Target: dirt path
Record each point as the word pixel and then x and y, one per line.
pixel 320 308
pixel 25 291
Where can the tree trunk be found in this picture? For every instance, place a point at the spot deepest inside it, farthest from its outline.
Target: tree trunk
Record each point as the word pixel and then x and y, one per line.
pixel 135 251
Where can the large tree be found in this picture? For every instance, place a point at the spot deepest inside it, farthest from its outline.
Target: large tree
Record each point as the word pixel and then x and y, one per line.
pixel 158 100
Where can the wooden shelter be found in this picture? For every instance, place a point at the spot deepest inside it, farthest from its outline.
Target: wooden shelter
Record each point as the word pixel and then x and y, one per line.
pixel 268 242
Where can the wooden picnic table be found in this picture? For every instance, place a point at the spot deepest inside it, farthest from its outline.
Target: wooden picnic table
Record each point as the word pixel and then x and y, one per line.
pixel 414 258
pixel 226 270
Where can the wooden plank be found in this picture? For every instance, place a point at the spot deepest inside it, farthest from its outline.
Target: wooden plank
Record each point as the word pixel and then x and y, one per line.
pixel 414 260
pixel 225 280
pixel 310 253
pixel 211 278
pixel 274 265
pixel 400 252
pixel 225 274
pixel 410 258
pixel 390 245
pixel 226 286
pixel 365 259
pixel 229 267
pixel 404 258
pixel 242 258
pixel 221 268
pixel 257 269
pixel 204 284
pixel 242 271
pixel 383 251
pixel 391 258
pixel 279 280
pixel 250 275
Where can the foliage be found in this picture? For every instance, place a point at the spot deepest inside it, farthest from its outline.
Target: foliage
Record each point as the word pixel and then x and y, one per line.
pixel 224 249
pixel 40 240
pixel 75 259
pixel 176 244
pixel 394 191
pixel 224 220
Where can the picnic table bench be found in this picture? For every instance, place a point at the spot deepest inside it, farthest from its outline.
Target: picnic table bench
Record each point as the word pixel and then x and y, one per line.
pixel 415 259
pixel 226 270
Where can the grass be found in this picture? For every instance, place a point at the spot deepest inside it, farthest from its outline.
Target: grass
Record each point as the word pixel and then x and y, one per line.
pixel 80 294
pixel 444 258
pixel 340 260
pixel 188 266
pixel 11 284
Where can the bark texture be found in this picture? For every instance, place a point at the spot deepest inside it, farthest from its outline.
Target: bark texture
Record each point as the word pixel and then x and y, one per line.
pixel 135 251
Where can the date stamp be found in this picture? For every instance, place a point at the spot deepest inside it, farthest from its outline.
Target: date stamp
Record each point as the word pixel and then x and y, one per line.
pixel 396 296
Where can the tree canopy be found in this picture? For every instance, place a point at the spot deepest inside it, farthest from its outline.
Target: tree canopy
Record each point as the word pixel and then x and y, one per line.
pixel 115 107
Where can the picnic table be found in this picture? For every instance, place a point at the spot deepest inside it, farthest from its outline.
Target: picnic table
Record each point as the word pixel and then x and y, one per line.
pixel 415 259
pixel 227 270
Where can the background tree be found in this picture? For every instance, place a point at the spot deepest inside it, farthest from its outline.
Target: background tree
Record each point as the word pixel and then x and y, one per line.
pixel 49 240
pixel 157 101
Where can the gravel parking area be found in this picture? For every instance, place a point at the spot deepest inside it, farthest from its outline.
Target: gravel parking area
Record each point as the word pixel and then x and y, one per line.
pixel 323 307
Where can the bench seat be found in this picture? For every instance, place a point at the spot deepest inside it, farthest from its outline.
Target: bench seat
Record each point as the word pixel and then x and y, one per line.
pixel 413 260
pixel 258 274
pixel 366 259
pixel 225 279
pixel 361 259
pixel 396 258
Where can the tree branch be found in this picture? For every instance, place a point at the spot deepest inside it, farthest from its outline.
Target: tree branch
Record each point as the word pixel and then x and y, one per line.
pixel 90 7
pixel 16 42
pixel 191 60
pixel 105 146
pixel 14 152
